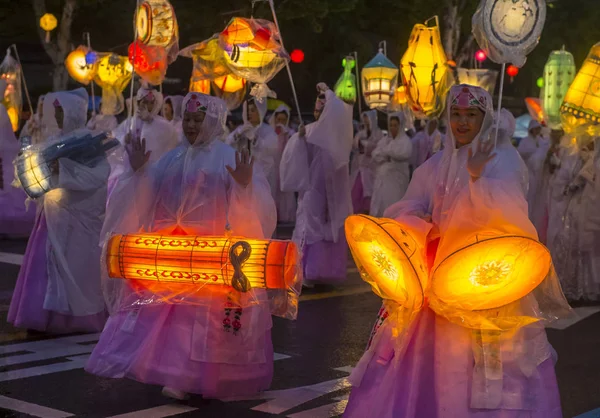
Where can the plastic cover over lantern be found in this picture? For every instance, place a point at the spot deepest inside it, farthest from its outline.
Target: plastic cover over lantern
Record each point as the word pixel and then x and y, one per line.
pixel 10 72
pixel 253 51
pixel 176 268
pixel 509 30
pixel 425 72
pixel 379 81
pixel 559 73
pixel 78 67
pixel 581 107
pixel 345 87
pixel 486 79
pixel 113 73
pixel 200 85
pixel 232 89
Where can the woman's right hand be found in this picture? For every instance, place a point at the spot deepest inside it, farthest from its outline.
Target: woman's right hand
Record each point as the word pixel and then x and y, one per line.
pixel 302 131
pixel 136 150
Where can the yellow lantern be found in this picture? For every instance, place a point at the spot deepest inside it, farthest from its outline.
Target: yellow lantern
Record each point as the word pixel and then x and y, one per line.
pixel 400 96
pixel 154 261
pixel 486 79
pixel 112 75
pixel 581 107
pixel 10 72
pixel 379 81
pixel 230 83
pixel 425 72
pixel 156 23
pixel 200 86
pixel 48 23
pixel 78 66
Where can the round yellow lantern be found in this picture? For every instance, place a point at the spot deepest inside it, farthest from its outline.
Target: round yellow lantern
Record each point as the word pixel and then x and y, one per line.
pixel 156 23
pixel 425 71
pixel 48 23
pixel 112 75
pixel 379 81
pixel 581 107
pixel 78 66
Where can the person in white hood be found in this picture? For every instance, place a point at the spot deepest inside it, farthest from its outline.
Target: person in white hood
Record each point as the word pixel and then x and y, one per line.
pixel 426 143
pixel 172 112
pixel 259 138
pixel 59 289
pixel 362 172
pixel 392 156
pixel 285 201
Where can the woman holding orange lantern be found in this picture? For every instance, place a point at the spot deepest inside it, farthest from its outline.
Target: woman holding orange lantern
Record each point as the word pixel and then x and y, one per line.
pixel 457 353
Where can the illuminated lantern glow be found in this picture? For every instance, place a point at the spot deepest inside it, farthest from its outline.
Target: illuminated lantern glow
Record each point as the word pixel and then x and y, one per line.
pixel 209 59
pixel 48 23
pixel 379 81
pixel 425 72
pixel 480 55
pixel 483 78
pixel 156 23
pixel 149 62
pixel 536 111
pixel 297 56
pixel 10 72
pixel 509 30
pixel 451 63
pixel 559 73
pixel 200 86
pixel 233 99
pixel 253 51
pixel 230 83
pixel 345 87
pixel 540 83
pixel 91 58
pixel 113 73
pixel 78 67
pixel 581 106
pixel 400 96
pixel 154 261
pixel 512 70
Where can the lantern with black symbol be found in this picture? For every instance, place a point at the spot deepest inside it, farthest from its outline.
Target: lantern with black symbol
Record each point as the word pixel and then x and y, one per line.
pixel 559 73
pixel 10 72
pixel 486 79
pixel 425 72
pixel 509 30
pixel 78 66
pixel 253 51
pixel 581 106
pixel 113 73
pixel 379 81
pixel 345 87
pixel 187 269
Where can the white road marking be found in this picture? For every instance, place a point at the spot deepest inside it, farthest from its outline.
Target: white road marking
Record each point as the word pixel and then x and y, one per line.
pixel 158 412
pixel 325 411
pixel 11 258
pixel 31 408
pixel 580 314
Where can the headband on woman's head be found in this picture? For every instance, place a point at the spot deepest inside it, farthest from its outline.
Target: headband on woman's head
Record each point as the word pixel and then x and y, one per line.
pixel 56 103
pixel 194 105
pixel 464 98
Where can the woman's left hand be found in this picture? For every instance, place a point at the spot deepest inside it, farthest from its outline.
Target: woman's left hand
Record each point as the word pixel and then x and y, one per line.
pixel 244 165
pixel 477 163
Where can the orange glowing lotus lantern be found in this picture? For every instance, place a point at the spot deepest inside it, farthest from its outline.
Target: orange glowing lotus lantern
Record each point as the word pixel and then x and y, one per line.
pixel 10 72
pixel 425 71
pixel 152 261
pixel 78 66
pixel 253 51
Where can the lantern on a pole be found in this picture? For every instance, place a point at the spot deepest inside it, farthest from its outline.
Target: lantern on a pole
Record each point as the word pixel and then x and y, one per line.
pixel 78 67
pixel 559 73
pixel 581 107
pixel 48 23
pixel 425 71
pixel 113 73
pixel 345 87
pixel 10 72
pixel 379 81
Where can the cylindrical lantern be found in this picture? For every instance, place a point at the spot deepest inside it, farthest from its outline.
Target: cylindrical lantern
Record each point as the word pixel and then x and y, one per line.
pixel 582 102
pixel 345 87
pixel 48 23
pixel 10 72
pixel 486 79
pixel 509 30
pixel 424 71
pixel 559 73
pixel 203 260
pixel 78 67
pixel 379 81
pixel 156 23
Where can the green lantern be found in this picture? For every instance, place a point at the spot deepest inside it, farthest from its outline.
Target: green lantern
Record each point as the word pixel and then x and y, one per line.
pixel 345 88
pixel 559 73
pixel 379 81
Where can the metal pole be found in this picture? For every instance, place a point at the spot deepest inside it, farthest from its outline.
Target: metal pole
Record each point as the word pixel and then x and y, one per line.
pixel 499 103
pixel 358 93
pixel 132 120
pixel 89 45
pixel 14 47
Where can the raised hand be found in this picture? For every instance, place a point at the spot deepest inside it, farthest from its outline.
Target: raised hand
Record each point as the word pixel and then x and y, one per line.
pixel 244 165
pixel 302 131
pixel 136 150
pixel 477 163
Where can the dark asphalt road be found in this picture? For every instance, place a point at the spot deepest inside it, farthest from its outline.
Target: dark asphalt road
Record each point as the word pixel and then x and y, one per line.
pixel 43 376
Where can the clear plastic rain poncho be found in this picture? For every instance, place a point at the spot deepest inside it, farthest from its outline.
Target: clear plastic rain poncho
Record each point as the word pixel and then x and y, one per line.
pixel 10 71
pixel 489 275
pixel 32 132
pixel 190 196
pixel 253 51
pixel 71 104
